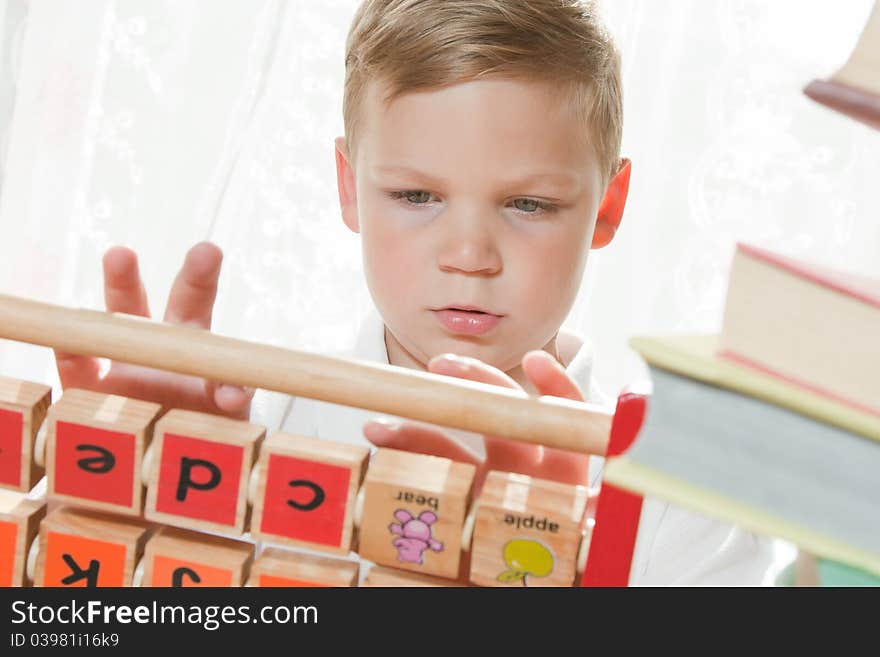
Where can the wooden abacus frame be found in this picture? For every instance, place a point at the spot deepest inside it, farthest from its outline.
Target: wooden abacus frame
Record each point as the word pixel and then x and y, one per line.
pixel 422 396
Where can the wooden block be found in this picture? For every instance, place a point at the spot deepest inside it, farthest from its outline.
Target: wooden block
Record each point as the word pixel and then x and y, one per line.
pixel 276 567
pixel 306 491
pixel 23 407
pixel 200 470
pixel 95 445
pixel 527 531
pixel 379 576
pixel 414 510
pixel 84 548
pixel 178 558
pixel 20 517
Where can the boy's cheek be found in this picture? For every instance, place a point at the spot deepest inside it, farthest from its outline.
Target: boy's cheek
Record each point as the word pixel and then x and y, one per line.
pixel 393 270
pixel 549 277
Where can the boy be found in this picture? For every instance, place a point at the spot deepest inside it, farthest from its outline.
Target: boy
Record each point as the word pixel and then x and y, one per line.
pixel 480 165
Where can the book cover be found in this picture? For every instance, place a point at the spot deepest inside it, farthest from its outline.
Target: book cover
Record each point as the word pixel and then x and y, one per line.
pixel 816 475
pixel 646 480
pixel 748 448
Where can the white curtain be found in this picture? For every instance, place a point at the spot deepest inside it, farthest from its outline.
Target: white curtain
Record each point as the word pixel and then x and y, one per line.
pixel 159 124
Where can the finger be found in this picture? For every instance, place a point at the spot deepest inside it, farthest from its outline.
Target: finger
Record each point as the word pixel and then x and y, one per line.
pixel 229 399
pixel 161 387
pixel 420 440
pixel 472 369
pixel 77 371
pixel 566 467
pixel 192 296
pixel 512 456
pixel 501 454
pixel 549 377
pixel 123 289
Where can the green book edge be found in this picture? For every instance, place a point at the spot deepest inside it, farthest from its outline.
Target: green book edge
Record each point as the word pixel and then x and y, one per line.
pixel 834 573
pixel 626 473
pixel 695 356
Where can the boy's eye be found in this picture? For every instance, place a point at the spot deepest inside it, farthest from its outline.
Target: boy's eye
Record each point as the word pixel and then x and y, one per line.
pixel 531 205
pixel 415 197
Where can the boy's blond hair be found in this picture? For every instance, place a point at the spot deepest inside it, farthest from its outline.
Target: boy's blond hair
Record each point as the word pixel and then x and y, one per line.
pixel 420 45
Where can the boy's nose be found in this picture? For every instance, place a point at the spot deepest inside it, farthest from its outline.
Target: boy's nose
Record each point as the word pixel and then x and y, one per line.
pixel 469 247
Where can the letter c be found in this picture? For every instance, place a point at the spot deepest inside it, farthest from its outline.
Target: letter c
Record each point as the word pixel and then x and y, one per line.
pixel 317 491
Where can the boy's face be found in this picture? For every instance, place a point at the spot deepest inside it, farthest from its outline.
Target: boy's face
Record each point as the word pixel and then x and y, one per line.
pixel 476 205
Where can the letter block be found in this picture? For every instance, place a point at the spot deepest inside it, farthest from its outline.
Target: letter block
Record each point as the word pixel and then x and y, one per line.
pixel 177 558
pixel 84 548
pixel 379 576
pixel 23 407
pixel 277 567
pixel 306 491
pixel 201 464
pixel 95 445
pixel 413 511
pixel 20 517
pixel 527 531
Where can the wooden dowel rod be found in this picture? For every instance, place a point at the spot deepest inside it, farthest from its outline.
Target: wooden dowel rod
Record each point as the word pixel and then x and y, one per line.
pixel 387 389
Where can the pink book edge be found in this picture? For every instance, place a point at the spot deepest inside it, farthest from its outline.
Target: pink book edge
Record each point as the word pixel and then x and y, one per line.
pixel 747 362
pixel 848 284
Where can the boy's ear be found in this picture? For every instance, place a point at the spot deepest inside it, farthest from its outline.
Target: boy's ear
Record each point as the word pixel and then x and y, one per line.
pixel 611 211
pixel 347 188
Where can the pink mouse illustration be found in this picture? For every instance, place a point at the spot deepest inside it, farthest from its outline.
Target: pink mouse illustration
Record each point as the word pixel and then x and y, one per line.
pixel 413 535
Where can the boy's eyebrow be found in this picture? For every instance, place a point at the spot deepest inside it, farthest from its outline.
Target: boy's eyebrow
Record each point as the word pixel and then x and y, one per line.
pixel 563 179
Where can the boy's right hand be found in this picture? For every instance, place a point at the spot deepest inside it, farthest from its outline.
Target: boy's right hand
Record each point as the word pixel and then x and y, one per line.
pixel 190 302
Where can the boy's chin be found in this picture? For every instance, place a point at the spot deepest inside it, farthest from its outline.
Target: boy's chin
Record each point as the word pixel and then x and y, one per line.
pixel 487 351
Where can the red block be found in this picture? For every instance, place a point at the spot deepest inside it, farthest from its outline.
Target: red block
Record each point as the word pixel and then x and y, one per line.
pixel 83 471
pixel 201 465
pixel 95 447
pixel 305 492
pixel 185 460
pixel 307 500
pixel 23 407
pixel 11 431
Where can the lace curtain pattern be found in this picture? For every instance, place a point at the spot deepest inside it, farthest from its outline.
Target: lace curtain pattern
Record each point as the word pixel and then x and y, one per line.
pixel 158 124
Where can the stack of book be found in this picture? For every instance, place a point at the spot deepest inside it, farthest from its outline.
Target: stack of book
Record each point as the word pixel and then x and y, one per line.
pixel 774 424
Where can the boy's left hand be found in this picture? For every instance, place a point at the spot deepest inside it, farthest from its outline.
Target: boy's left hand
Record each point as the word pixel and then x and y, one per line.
pixel 548 378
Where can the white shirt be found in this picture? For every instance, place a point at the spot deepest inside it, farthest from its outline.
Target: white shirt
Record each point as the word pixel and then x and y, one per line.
pixel 674 547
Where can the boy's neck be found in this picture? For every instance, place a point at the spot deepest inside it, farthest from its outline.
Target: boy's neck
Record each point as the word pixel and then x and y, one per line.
pixel 559 349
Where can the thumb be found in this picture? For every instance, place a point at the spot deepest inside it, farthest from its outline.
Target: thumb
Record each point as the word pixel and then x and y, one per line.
pixel 230 400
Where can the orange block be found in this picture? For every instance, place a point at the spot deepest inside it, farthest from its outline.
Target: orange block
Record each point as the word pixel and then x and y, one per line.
pixel 181 558
pixel 83 548
pixel 23 407
pixel 20 517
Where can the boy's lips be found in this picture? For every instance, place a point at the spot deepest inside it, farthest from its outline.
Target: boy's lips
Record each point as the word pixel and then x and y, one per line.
pixel 466 319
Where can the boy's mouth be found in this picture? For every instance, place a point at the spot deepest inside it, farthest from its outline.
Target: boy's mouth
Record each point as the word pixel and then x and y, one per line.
pixel 466 319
